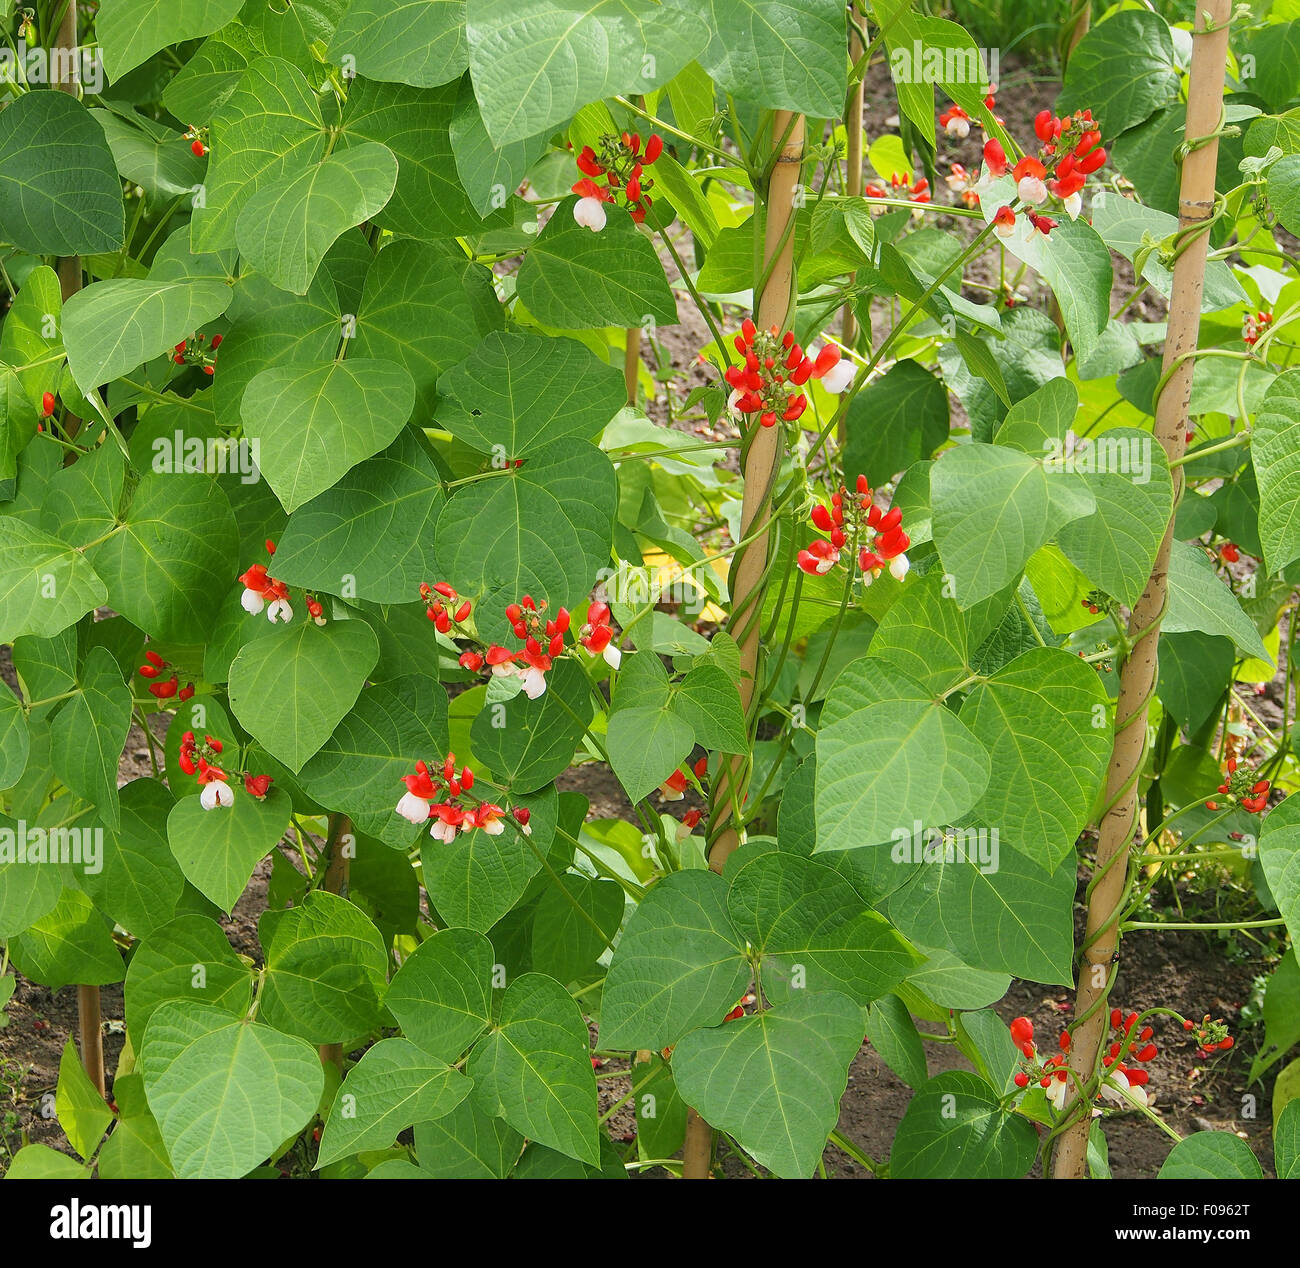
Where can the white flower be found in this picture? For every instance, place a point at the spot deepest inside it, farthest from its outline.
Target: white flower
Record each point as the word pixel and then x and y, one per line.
pixel 252 601
pixel 1031 190
pixel 494 828
pixel 898 567
pixel 590 213
pixel 732 412
pixel 825 565
pixel 958 127
pixel 1005 229
pixel 613 657
pixel 216 794
pixel 414 808
pixel 441 831
pixel 1057 1091
pixel 1073 205
pixel 534 682
pixel 839 376
pixel 279 610
pixel 1117 1089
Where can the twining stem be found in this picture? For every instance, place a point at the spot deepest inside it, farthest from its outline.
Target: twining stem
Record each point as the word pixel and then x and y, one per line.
pixel 853 184
pixel 1138 674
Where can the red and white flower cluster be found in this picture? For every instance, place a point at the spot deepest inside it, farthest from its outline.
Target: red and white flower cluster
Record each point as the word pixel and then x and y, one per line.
pixel 1070 151
pixel 452 814
pixel 766 383
pixel 198 351
pixel 856 523
pixel 262 591
pixel 1241 786
pixel 674 787
pixel 543 639
pixel 442 614
pixel 621 164
pixel 1253 325
pixel 213 780
pixel 1123 1083
pixel 917 192
pixel 163 688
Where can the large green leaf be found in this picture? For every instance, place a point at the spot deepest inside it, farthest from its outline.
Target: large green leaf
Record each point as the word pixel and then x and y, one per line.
pixel 956 1126
pixel 291 690
pixel 140 883
pixel 45 585
pixel 359 769
pixel 679 964
pixel 535 62
pixel 891 755
pixel 813 930
pixel 1123 70
pixel 573 922
pixel 645 746
pixel 113 326
pixel 543 529
pixel 286 228
pixel 419 42
pixel 441 994
pixel 269 129
pixel 783 54
pixel 895 421
pixel 70 943
pixel 774 1079
pixel 168 562
pixel 988 904
pixel 415 123
pixel 517 393
pixel 424 306
pixel 574 279
pixel 489 172
pixel 1199 600
pixel 1211 1155
pixel 226 1093
pixel 325 970
pixel 186 959
pixel 15 740
pixel 59 188
pixel 1279 852
pixel 82 1111
pixel 315 422
pixel 527 743
pixel 534 1068
pixel 467 1144
pixel 1275 453
pixel 993 507
pixel 218 849
pixel 132 31
pixel 1044 716
pixel 393 1087
pixel 478 878
pixel 88 732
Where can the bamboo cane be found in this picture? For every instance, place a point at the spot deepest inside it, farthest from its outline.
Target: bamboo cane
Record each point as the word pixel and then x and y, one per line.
pixel 1138 675
pixel 762 461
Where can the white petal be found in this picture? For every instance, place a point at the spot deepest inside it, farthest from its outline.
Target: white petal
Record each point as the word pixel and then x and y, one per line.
pixel 495 828
pixel 534 683
pixel 1073 205
pixel 613 657
pixel 839 376
pixel 590 213
pixel 898 567
pixel 414 808
pixel 252 601
pixel 279 610
pixel 1031 190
